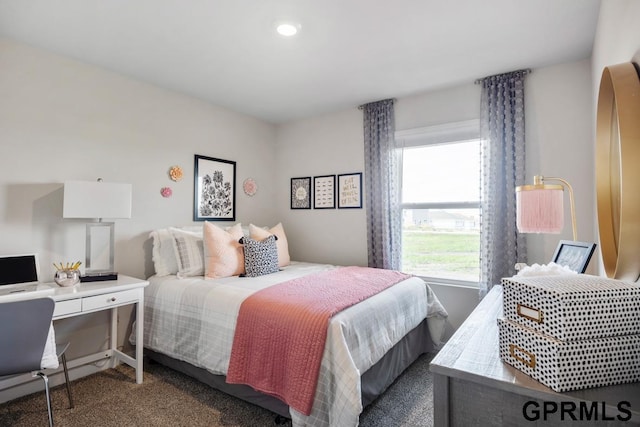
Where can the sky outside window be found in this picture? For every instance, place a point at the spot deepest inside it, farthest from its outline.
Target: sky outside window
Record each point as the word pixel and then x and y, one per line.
pixel 428 176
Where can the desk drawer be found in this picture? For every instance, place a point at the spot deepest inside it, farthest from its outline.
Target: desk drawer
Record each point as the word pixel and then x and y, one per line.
pixel 65 308
pixel 113 299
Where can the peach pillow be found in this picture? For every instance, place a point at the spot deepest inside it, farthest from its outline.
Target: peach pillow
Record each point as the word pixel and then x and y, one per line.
pixel 223 256
pixel 258 233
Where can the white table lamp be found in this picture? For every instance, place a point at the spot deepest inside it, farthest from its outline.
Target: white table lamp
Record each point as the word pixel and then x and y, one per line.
pixel 98 200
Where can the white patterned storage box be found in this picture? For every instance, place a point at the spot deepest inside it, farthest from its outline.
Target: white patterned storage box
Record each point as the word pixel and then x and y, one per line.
pixel 573 307
pixel 574 365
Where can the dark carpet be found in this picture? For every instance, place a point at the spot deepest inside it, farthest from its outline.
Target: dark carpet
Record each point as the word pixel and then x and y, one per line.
pixel 169 398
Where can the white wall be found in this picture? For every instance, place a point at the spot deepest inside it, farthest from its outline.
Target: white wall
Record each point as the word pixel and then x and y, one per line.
pixel 437 107
pixel 333 144
pixel 617 40
pixel 325 145
pixel 63 120
pixel 558 133
pixel 558 108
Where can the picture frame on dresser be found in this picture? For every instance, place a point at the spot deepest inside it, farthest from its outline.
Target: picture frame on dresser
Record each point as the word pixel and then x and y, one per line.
pixel 574 255
pixel 214 189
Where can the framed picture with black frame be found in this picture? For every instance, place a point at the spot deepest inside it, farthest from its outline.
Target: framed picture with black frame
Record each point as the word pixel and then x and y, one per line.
pixel 324 192
pixel 214 189
pixel 574 255
pixel 350 190
pixel 301 193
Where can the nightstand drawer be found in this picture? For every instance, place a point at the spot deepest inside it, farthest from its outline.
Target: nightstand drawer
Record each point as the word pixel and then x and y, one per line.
pixel 64 308
pixel 114 299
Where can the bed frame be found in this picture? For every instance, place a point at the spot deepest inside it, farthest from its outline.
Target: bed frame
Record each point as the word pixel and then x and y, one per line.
pixel 373 382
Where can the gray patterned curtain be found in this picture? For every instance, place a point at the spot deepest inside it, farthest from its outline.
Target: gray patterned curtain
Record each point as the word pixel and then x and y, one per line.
pixel 382 185
pixel 503 168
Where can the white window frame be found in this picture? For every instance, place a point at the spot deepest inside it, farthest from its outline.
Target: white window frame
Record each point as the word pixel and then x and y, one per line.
pixel 435 135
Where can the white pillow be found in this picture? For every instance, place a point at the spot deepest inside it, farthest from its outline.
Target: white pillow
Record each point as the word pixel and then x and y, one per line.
pixel 163 252
pixel 163 255
pixel 189 252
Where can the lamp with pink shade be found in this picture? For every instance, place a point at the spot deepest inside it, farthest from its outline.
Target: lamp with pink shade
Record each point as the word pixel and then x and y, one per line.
pixel 539 207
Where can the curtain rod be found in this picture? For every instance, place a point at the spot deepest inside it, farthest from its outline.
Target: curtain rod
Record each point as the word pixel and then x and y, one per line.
pixel 524 72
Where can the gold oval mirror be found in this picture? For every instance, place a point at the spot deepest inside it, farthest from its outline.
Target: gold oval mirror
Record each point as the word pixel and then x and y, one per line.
pixel 618 171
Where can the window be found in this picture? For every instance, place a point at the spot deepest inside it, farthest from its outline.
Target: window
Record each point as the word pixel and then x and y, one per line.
pixel 441 202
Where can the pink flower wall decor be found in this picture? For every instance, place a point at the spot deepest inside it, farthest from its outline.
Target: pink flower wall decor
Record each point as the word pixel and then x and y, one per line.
pixel 166 191
pixel 250 187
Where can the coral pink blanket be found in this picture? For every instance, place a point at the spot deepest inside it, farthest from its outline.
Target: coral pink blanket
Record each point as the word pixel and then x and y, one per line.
pixel 281 331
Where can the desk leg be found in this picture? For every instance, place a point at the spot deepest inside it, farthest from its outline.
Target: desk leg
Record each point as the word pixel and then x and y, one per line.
pixel 113 338
pixel 139 337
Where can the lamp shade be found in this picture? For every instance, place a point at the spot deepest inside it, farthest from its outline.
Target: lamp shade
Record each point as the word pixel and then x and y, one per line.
pixel 96 199
pixel 539 208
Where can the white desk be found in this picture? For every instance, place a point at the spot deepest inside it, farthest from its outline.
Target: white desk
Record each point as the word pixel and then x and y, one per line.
pixel 90 297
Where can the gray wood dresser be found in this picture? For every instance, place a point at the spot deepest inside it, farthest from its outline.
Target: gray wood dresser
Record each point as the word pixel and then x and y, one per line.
pixel 473 387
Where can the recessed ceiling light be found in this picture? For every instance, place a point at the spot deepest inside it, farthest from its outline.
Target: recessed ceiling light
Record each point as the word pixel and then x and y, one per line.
pixel 287 29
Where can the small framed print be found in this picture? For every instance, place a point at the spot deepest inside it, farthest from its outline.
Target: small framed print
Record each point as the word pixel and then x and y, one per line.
pixel 575 255
pixel 324 192
pixel 350 191
pixel 301 193
pixel 214 189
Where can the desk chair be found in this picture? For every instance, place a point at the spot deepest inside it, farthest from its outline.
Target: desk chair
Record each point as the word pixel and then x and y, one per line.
pixel 23 334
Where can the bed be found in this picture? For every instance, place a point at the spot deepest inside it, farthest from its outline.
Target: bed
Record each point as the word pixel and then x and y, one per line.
pixel 190 323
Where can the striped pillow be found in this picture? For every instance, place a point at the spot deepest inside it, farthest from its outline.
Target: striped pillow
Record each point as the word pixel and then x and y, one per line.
pixel 189 251
pixel 163 253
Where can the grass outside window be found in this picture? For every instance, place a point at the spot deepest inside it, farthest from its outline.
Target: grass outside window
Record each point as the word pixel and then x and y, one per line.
pixel 448 255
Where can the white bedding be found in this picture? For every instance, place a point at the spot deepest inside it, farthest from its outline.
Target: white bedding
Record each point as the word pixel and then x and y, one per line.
pixel 193 320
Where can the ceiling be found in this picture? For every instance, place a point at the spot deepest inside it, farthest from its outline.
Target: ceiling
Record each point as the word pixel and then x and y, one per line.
pixel 348 52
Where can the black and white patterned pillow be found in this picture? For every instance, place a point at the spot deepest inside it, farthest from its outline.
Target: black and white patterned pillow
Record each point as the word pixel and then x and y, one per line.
pixel 260 257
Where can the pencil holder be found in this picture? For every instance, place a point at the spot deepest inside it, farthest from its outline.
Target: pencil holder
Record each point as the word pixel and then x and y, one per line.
pixel 67 277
